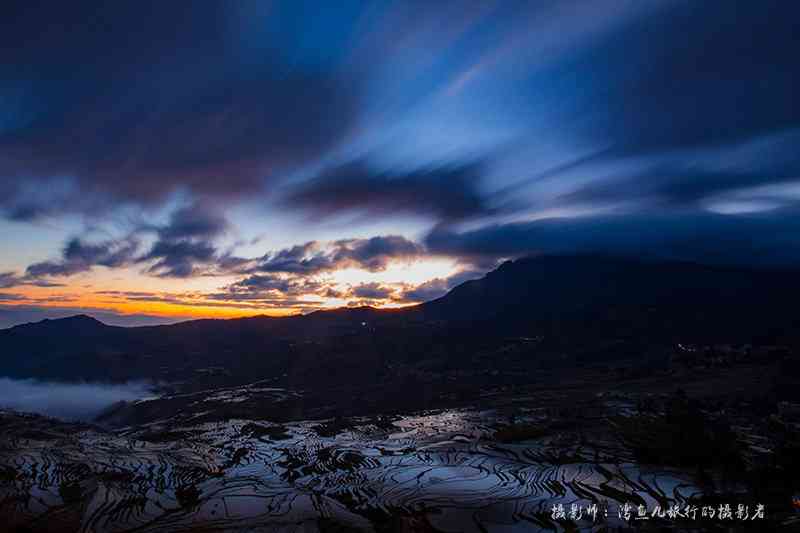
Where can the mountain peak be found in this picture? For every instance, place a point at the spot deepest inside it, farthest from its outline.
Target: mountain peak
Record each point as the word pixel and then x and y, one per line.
pixel 81 321
pixel 80 318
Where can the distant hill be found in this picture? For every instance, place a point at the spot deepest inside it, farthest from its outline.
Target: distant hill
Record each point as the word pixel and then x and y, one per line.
pixel 575 302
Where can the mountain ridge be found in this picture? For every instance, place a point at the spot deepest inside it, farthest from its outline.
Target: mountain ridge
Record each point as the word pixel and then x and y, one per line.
pixel 504 267
pixel 579 303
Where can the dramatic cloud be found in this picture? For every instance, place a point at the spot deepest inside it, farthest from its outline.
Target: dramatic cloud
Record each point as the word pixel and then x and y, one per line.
pixel 372 291
pixel 765 239
pixel 300 270
pixel 194 221
pixel 115 104
pixel 689 177
pixel 666 186
pixel 445 193
pixel 79 256
pixel 495 130
pixel 264 283
pixel 185 248
pixel 301 259
pixel 270 286
pixel 185 245
pixel 375 253
pixel 372 254
pixel 179 259
pixel 650 89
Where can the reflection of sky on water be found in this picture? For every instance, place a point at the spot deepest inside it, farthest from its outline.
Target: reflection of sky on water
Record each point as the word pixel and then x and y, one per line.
pixel 437 467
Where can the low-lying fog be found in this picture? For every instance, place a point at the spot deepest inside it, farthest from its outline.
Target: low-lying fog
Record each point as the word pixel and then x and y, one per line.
pixel 68 401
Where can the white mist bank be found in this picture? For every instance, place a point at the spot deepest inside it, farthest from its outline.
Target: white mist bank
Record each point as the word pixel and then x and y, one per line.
pixel 68 401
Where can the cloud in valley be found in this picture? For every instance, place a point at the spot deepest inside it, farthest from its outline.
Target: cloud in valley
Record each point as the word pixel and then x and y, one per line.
pixel 69 401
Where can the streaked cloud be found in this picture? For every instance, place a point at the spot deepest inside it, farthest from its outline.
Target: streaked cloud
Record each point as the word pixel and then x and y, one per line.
pixel 240 157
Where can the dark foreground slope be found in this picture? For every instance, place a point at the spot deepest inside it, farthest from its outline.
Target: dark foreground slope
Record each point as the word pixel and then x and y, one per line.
pixel 237 459
pixel 590 306
pixel 562 381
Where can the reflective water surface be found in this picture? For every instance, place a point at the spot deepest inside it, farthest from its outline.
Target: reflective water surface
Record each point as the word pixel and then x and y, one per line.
pixel 441 471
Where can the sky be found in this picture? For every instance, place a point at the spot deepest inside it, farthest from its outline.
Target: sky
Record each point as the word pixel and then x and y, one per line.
pixel 169 160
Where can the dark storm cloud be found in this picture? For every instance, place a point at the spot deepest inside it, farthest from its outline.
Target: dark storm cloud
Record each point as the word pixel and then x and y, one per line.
pixel 698 73
pixel 689 105
pixel 194 221
pixel 23 199
pixel 375 253
pixel 259 286
pixel 642 88
pixel 446 193
pixel 698 106
pixel 79 256
pixel 693 134
pixel 185 246
pixel 671 187
pixel 126 103
pixel 690 176
pixel 665 185
pixel 769 238
pixel 299 259
pixel 179 259
pixel 259 283
pixel 263 291
pixel 372 254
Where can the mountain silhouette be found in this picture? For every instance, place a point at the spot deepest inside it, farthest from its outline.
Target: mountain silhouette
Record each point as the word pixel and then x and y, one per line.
pixel 575 303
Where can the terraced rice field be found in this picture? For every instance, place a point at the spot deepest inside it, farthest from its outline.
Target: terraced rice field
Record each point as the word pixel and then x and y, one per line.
pixel 442 471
